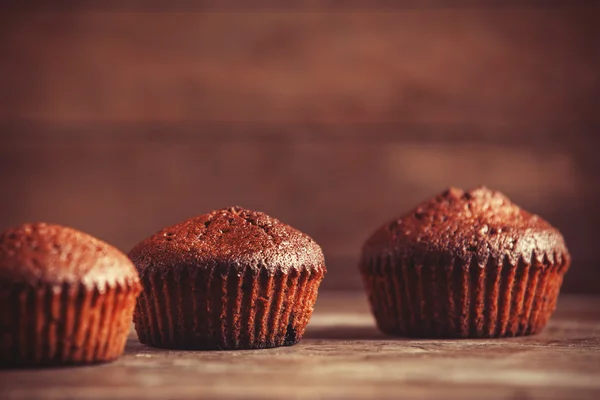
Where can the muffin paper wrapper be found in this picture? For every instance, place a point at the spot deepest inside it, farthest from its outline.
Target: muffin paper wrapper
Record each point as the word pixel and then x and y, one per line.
pixel 68 324
pixel 494 298
pixel 247 308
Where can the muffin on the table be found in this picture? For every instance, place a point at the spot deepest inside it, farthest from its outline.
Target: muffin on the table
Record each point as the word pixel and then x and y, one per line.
pixel 464 264
pixel 230 279
pixel 66 297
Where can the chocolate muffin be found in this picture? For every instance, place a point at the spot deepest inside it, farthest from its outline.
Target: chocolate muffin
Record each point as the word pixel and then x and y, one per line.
pixel 230 279
pixel 67 297
pixel 464 264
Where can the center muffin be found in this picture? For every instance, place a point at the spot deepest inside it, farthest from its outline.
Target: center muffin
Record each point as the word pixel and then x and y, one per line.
pixel 229 279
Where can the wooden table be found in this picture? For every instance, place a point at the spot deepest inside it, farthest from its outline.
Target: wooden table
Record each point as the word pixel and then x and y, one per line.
pixel 343 356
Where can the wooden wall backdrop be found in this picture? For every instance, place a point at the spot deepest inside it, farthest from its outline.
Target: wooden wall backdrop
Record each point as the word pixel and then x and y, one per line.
pixel 334 118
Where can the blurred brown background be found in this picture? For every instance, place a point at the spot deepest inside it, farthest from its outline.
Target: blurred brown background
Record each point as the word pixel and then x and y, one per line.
pixel 333 118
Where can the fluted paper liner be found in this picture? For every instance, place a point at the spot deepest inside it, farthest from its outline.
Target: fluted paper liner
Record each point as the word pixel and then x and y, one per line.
pixel 454 298
pixel 69 324
pixel 188 308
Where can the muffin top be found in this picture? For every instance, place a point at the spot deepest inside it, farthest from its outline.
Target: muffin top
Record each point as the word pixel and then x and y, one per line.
pixel 41 253
pixel 463 224
pixel 229 237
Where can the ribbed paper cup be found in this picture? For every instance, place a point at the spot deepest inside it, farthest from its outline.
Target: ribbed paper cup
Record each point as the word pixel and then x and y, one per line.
pixel 68 324
pixel 228 308
pixel 451 298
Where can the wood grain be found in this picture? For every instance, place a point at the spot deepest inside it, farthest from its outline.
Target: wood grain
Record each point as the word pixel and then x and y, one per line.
pixel 434 66
pixel 343 356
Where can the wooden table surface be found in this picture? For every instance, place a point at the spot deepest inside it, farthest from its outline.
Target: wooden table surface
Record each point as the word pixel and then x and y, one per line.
pixel 344 356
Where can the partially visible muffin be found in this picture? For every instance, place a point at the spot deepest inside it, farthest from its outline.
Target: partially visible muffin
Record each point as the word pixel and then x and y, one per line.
pixel 67 297
pixel 464 264
pixel 230 279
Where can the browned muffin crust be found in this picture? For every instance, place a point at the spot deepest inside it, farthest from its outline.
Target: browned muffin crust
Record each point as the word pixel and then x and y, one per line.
pixel 41 253
pixel 230 236
pixel 464 264
pixel 462 224
pixel 67 297
pixel 230 279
